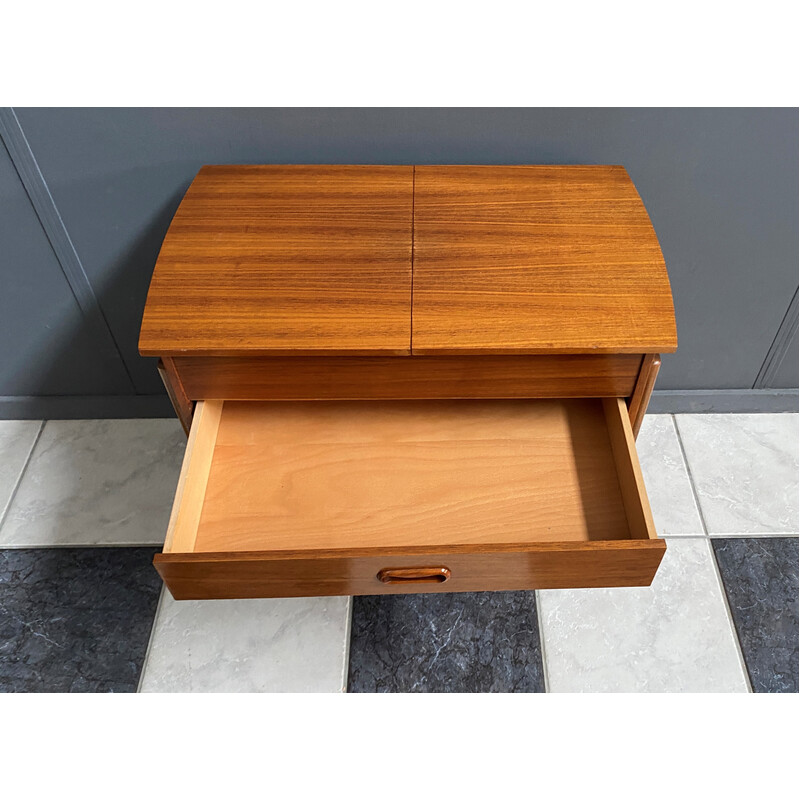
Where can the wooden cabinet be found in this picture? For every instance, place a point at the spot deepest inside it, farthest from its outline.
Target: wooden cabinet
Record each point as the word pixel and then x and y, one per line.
pixel 409 379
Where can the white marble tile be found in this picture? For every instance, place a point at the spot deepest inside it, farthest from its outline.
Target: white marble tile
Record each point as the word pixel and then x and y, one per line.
pixel 97 482
pixel 673 636
pixel 284 645
pixel 745 468
pixel 17 438
pixel 666 478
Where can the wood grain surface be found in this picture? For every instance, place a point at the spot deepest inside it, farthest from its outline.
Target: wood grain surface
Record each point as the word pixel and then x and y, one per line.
pixel 184 407
pixel 317 260
pixel 473 568
pixel 277 259
pixel 314 499
pixel 193 480
pixel 536 259
pixel 296 283
pixel 629 471
pixel 381 474
pixel 413 574
pixel 375 378
pixel 643 390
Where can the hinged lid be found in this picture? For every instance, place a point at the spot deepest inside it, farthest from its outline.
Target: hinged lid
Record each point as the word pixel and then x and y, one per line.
pixel 288 260
pixel 317 260
pixel 536 259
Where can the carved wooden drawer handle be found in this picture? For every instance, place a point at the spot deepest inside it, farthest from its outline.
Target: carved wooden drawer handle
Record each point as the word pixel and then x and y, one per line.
pixel 414 575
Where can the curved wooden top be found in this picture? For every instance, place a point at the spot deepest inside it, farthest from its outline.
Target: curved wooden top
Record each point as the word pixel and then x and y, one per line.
pixel 317 260
pixel 285 260
pixel 536 259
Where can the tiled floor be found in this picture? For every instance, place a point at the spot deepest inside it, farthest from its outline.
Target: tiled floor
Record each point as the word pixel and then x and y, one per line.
pixel 673 636
pixel 75 619
pixel 107 481
pixel 288 645
pixel 482 642
pixel 83 506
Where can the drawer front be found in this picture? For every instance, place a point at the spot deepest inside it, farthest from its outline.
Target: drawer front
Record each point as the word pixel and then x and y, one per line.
pixel 406 378
pixel 196 576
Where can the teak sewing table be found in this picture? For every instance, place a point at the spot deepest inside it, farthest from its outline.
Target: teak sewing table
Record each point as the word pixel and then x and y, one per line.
pixel 409 379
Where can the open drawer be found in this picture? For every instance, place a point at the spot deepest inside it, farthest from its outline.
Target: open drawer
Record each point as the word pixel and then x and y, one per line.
pixel 284 499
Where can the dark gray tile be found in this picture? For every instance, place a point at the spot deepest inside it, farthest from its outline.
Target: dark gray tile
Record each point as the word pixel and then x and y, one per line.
pixel 461 642
pixel 760 578
pixel 75 619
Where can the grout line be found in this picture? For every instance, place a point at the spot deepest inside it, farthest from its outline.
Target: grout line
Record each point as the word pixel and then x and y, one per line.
pixel 22 472
pixel 150 640
pixel 715 566
pixel 671 536
pixel 540 627
pixel 347 636
pixel 696 497
pixel 757 535
pixel 692 486
pixel 731 622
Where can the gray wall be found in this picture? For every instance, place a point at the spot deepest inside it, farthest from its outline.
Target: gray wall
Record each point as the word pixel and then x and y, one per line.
pixel 86 196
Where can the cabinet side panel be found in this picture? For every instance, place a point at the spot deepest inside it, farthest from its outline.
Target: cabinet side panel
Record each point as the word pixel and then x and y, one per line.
pixel 643 389
pixel 184 408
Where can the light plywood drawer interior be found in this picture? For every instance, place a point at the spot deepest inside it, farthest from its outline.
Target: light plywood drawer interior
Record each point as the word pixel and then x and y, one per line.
pixel 355 497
